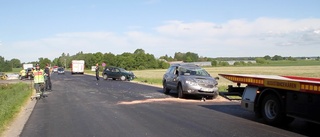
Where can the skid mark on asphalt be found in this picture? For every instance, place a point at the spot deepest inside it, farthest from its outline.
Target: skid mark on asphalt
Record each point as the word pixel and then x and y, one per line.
pixel 159 100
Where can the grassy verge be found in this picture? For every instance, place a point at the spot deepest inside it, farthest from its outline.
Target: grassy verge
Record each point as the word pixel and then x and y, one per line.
pixel 12 98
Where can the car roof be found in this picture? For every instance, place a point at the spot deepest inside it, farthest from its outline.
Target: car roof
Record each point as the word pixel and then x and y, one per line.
pixel 186 65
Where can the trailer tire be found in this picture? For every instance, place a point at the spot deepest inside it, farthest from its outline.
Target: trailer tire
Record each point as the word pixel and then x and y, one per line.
pixel 271 110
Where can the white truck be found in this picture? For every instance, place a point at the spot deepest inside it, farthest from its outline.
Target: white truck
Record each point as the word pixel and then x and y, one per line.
pixel 26 66
pixel 77 66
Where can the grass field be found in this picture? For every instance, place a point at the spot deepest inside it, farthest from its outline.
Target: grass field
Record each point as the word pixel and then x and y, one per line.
pixel 12 97
pixel 155 76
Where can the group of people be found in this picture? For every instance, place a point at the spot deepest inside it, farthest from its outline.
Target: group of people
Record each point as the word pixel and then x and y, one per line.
pixel 42 78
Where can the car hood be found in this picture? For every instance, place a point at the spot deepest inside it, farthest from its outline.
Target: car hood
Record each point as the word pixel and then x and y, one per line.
pixel 203 79
pixel 128 73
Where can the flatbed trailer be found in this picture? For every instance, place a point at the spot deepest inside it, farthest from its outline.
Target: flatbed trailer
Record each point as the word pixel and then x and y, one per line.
pixel 278 99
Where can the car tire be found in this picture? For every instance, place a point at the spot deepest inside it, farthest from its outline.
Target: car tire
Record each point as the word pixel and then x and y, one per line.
pixel 123 78
pixel 166 90
pixel 215 95
pixel 180 92
pixel 105 76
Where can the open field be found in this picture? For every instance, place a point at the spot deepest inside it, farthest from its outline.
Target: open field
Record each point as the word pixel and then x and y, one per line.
pixel 155 76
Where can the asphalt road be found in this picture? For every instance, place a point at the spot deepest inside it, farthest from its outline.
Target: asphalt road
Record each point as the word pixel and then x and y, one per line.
pixel 79 107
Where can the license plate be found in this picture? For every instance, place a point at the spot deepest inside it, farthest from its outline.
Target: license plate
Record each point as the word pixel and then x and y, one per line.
pixel 206 89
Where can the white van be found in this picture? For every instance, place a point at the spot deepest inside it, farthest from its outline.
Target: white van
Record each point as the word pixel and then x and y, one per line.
pixel 77 66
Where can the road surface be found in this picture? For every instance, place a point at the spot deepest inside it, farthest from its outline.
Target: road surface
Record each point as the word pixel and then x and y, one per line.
pixel 79 107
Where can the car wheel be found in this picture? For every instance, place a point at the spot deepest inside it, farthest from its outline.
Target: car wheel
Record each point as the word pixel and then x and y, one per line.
pixel 166 90
pixel 180 92
pixel 123 78
pixel 114 79
pixel 105 76
pixel 215 95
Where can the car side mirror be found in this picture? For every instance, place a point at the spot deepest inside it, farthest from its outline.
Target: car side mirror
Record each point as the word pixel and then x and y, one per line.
pixel 216 78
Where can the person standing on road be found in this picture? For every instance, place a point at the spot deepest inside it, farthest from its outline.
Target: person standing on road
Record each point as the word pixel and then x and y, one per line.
pixel 38 78
pixel 48 79
pixel 97 73
pixel 22 74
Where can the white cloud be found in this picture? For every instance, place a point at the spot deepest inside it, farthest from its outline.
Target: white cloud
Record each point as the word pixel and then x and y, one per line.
pixel 263 36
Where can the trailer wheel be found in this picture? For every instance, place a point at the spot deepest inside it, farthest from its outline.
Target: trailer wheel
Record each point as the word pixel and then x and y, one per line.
pixel 271 110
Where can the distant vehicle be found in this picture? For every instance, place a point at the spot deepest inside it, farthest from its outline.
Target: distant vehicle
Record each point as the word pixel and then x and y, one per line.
pixel 27 66
pixel 190 79
pixel 117 73
pixel 3 76
pixel 60 70
pixel 77 66
pixel 29 73
pixel 55 69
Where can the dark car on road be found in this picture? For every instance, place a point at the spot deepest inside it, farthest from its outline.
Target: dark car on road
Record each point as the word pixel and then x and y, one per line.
pixel 190 79
pixel 29 73
pixel 60 70
pixel 117 73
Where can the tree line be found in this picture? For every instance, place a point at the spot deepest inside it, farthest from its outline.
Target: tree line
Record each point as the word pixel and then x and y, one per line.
pixel 138 60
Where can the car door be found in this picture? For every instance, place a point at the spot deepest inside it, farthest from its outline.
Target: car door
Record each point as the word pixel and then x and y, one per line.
pixel 117 73
pixel 170 77
pixel 111 73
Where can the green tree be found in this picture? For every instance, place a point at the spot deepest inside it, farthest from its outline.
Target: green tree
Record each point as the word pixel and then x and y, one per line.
pixel 214 63
pixel 43 62
pixel 267 57
pixel 277 57
pixel 15 63
pixel 178 56
pixel 191 56
pixel 261 61
pixel 109 59
pixel 223 63
pixel 292 59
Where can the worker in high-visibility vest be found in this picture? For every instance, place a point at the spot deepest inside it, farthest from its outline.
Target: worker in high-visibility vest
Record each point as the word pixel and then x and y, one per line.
pixel 38 78
pixel 22 74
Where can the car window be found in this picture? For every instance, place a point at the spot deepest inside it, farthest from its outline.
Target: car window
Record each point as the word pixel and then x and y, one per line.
pixel 171 70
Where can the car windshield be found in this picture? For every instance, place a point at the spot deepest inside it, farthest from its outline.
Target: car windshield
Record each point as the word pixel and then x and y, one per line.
pixel 194 71
pixel 60 69
pixel 123 70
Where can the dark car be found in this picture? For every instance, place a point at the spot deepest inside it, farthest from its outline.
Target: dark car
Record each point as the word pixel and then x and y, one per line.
pixel 60 70
pixel 117 73
pixel 29 73
pixel 190 79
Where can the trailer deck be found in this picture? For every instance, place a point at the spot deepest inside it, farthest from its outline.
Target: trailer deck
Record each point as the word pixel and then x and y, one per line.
pixel 302 84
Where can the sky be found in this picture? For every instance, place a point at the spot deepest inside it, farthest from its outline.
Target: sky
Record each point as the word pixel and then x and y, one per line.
pixel 33 29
